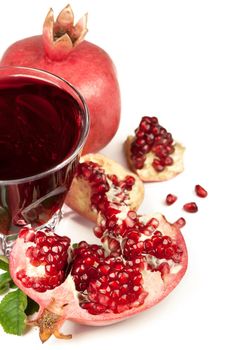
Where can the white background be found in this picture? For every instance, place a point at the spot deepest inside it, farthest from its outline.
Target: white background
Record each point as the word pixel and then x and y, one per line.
pixel 170 59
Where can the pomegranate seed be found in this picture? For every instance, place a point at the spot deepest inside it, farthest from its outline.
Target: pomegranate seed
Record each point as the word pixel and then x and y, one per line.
pixel 200 191
pixel 157 165
pixel 167 161
pixel 164 268
pixel 170 199
pixel 139 162
pixel 130 180
pixel 93 308
pixel 181 222
pixel 190 207
pixel 153 223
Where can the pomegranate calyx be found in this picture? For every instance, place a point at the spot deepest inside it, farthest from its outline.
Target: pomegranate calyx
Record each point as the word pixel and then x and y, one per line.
pixel 61 36
pixel 49 324
pixel 65 17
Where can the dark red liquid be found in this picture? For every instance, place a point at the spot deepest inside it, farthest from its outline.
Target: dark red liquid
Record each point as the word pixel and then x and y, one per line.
pixel 40 126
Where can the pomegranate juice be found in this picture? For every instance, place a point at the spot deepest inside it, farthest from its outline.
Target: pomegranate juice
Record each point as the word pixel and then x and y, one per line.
pixel 40 127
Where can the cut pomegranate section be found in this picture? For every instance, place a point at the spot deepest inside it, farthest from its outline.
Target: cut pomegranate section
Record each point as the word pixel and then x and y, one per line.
pixel 100 181
pixel 139 261
pixel 152 153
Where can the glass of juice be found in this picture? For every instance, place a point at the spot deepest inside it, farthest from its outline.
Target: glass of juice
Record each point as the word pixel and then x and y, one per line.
pixel 44 123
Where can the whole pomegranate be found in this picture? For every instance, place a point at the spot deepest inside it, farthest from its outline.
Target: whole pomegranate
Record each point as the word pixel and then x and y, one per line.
pixel 62 50
pixel 139 260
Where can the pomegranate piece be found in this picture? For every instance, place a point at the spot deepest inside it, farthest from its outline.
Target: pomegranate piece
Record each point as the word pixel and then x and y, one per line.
pixel 138 261
pixel 170 199
pixel 62 50
pixel 152 153
pixel 200 191
pixel 190 207
pixel 100 181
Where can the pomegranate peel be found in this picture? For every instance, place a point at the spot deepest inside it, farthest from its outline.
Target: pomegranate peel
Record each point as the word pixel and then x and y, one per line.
pixel 83 191
pixel 95 289
pixel 148 173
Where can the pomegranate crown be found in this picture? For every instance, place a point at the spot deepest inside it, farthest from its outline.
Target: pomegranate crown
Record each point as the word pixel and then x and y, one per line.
pixel 61 36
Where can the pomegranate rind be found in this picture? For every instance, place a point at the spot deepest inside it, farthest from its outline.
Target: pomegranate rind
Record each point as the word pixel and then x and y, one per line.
pixel 79 194
pixel 148 173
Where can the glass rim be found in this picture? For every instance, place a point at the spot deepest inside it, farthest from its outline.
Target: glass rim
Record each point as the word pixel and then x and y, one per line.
pixel 84 133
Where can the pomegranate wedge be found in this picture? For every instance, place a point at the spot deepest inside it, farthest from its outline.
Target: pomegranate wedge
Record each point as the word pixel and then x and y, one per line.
pixel 100 181
pixel 152 153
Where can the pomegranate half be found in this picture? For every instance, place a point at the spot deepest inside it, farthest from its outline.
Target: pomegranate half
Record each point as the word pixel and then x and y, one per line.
pixel 139 260
pixel 62 50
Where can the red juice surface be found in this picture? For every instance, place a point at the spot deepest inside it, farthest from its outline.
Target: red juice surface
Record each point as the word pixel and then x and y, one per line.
pixel 37 129
pixel 40 126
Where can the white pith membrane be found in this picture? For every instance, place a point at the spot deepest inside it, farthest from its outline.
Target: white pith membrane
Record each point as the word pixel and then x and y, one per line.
pixel 79 196
pixel 148 173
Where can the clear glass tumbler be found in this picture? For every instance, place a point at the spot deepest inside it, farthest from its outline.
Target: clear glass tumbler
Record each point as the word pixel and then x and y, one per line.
pixel 44 123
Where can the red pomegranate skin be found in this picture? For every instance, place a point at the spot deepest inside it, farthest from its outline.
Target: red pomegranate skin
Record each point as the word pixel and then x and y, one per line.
pixel 90 69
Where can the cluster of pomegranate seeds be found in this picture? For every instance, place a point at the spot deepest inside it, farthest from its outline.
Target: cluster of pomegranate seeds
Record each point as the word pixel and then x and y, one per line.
pixel 170 199
pixel 152 137
pixel 158 245
pixel 121 226
pixel 162 247
pixel 49 252
pixel 86 262
pixel 200 191
pixel 105 283
pixel 101 183
pixel 135 239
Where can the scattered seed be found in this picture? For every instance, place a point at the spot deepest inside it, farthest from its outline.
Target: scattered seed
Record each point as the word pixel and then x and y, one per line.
pixel 190 207
pixel 200 191
pixel 170 199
